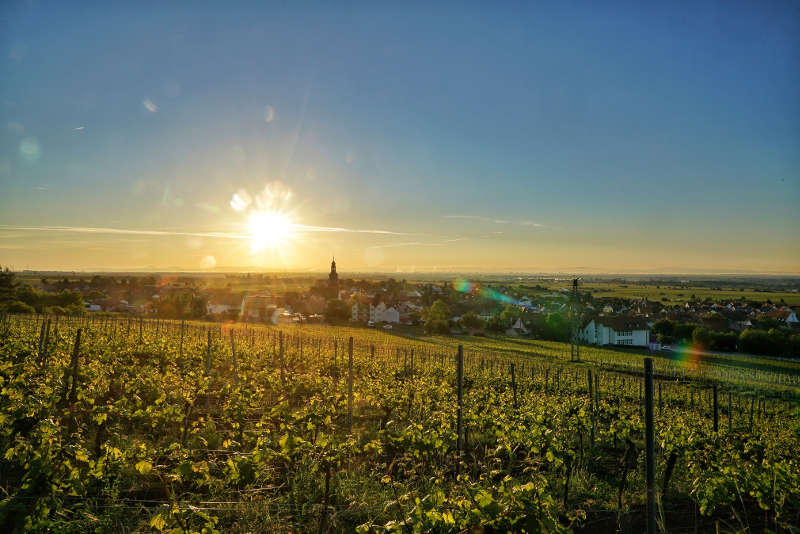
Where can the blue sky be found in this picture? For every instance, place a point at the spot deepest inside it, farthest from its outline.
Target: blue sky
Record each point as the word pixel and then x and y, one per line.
pixel 616 137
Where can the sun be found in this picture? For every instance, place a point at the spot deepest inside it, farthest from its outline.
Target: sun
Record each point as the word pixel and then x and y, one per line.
pixel 268 229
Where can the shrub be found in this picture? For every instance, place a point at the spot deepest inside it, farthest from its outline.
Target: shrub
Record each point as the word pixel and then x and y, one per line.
pixel 16 306
pixel 702 336
pixel 759 342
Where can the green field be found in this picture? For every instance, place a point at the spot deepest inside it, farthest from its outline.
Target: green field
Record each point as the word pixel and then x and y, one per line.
pixel 674 294
pixel 159 426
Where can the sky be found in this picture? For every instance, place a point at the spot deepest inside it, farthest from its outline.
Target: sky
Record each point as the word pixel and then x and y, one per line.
pixel 456 137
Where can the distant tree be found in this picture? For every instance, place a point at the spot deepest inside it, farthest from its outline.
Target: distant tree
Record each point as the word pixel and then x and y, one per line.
pixel 16 306
pixel 510 314
pixel 8 285
pixel 765 322
pixel 437 317
pixel 471 322
pixel 558 327
pixel 427 295
pixel 438 311
pixel 337 311
pixel 497 324
pixel 715 321
pixel 198 306
pixel 725 341
pixel 759 342
pixel 702 337
pixel 664 327
pixel 683 331
pixel 794 346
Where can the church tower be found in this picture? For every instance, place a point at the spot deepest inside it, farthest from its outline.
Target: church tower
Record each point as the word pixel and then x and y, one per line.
pixel 333 281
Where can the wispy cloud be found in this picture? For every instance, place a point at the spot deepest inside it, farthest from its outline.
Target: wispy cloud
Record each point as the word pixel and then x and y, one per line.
pixel 223 235
pixel 122 231
pixel 421 243
pixel 481 218
pixel 303 227
pixel 406 244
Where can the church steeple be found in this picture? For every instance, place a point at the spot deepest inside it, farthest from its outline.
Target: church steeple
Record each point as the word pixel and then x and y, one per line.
pixel 333 280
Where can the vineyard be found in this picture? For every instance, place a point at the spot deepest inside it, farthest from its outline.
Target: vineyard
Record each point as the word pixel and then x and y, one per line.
pixel 125 425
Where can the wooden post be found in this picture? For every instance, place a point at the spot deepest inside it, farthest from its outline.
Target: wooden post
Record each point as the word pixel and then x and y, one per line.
pixel 514 385
pixel 335 358
pixel 140 330
pixel 46 349
pixel 730 413
pixel 74 365
pixel 208 369
pixel 752 404
pixel 41 340
pixel 716 410
pixel 650 456
pixel 208 353
pixel 280 357
pixel 596 391
pixel 350 386
pixel 235 362
pixel 660 404
pixel 459 413
pixel 591 403
pixel 180 351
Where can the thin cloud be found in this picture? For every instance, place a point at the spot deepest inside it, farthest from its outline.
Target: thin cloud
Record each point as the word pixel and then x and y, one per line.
pixel 223 235
pixel 420 243
pixel 123 231
pixel 347 230
pixel 481 218
pixel 407 244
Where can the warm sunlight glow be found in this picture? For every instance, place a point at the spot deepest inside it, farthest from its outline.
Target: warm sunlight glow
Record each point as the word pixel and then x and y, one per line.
pixel 268 229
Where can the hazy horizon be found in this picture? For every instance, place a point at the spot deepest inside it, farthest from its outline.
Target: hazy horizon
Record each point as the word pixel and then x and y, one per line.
pixel 444 273
pixel 546 138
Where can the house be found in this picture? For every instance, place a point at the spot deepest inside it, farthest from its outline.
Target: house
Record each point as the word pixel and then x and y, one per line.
pixel 359 312
pixel 224 304
pixel 282 316
pixel 409 312
pixel 518 329
pixel 383 314
pixel 258 307
pixel 784 315
pixel 617 330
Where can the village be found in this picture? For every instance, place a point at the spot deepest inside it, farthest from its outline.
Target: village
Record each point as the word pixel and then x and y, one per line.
pixel 442 307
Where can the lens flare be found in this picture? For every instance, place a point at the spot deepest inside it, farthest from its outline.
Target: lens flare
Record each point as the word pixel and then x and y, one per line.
pixel 688 355
pixel 463 285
